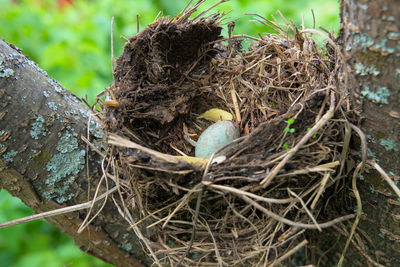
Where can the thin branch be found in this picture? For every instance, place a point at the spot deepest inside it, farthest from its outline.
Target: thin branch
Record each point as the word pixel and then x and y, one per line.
pixel 385 176
pixel 289 253
pixel 306 209
pixel 359 211
pixel 245 193
pixel 320 190
pixel 86 221
pixel 56 212
pixel 205 11
pixel 128 217
pixel 137 24
pixel 195 218
pixel 292 223
pixel 363 145
pixel 338 50
pixel 328 115
pixel 120 141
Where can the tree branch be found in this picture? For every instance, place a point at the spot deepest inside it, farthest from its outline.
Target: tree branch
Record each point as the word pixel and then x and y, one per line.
pixel 43 157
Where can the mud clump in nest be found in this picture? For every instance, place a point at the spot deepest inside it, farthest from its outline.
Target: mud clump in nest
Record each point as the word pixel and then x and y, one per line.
pixel 151 75
pixel 259 204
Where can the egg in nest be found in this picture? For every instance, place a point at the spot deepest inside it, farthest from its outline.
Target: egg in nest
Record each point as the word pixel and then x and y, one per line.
pixel 214 137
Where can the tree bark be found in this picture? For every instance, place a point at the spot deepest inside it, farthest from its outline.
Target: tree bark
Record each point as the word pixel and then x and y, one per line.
pixel 370 42
pixel 43 157
pixel 370 36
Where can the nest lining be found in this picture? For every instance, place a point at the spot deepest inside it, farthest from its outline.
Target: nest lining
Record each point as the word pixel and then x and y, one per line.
pixel 271 192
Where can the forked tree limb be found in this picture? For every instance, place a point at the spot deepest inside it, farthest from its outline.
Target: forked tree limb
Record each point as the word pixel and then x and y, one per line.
pixel 43 157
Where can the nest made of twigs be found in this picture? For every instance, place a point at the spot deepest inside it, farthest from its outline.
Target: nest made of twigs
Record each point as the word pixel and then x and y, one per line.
pixel 258 204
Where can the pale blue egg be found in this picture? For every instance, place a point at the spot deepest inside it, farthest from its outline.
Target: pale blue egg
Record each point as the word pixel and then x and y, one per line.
pixel 214 137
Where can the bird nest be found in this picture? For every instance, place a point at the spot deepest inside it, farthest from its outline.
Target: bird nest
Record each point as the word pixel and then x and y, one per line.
pixel 274 186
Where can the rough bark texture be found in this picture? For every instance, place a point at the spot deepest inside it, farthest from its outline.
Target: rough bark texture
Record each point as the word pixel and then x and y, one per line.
pixel 43 159
pixel 370 33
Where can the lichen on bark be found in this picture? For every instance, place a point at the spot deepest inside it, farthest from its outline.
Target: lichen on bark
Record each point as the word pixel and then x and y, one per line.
pixel 63 167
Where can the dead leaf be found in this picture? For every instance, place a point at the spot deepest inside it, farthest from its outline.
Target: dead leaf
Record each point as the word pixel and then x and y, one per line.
pixel 193 160
pixel 216 114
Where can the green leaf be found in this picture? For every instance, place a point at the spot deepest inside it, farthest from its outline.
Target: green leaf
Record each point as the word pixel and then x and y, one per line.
pixel 290 121
pixel 285 146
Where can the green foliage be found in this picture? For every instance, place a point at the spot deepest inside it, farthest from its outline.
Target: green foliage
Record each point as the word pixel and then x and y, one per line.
pixel 37 243
pixel 286 131
pixel 286 147
pixel 312 136
pixel 326 12
pixel 73 45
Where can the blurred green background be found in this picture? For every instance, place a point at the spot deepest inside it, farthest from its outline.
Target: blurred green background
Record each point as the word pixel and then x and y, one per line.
pixel 70 39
